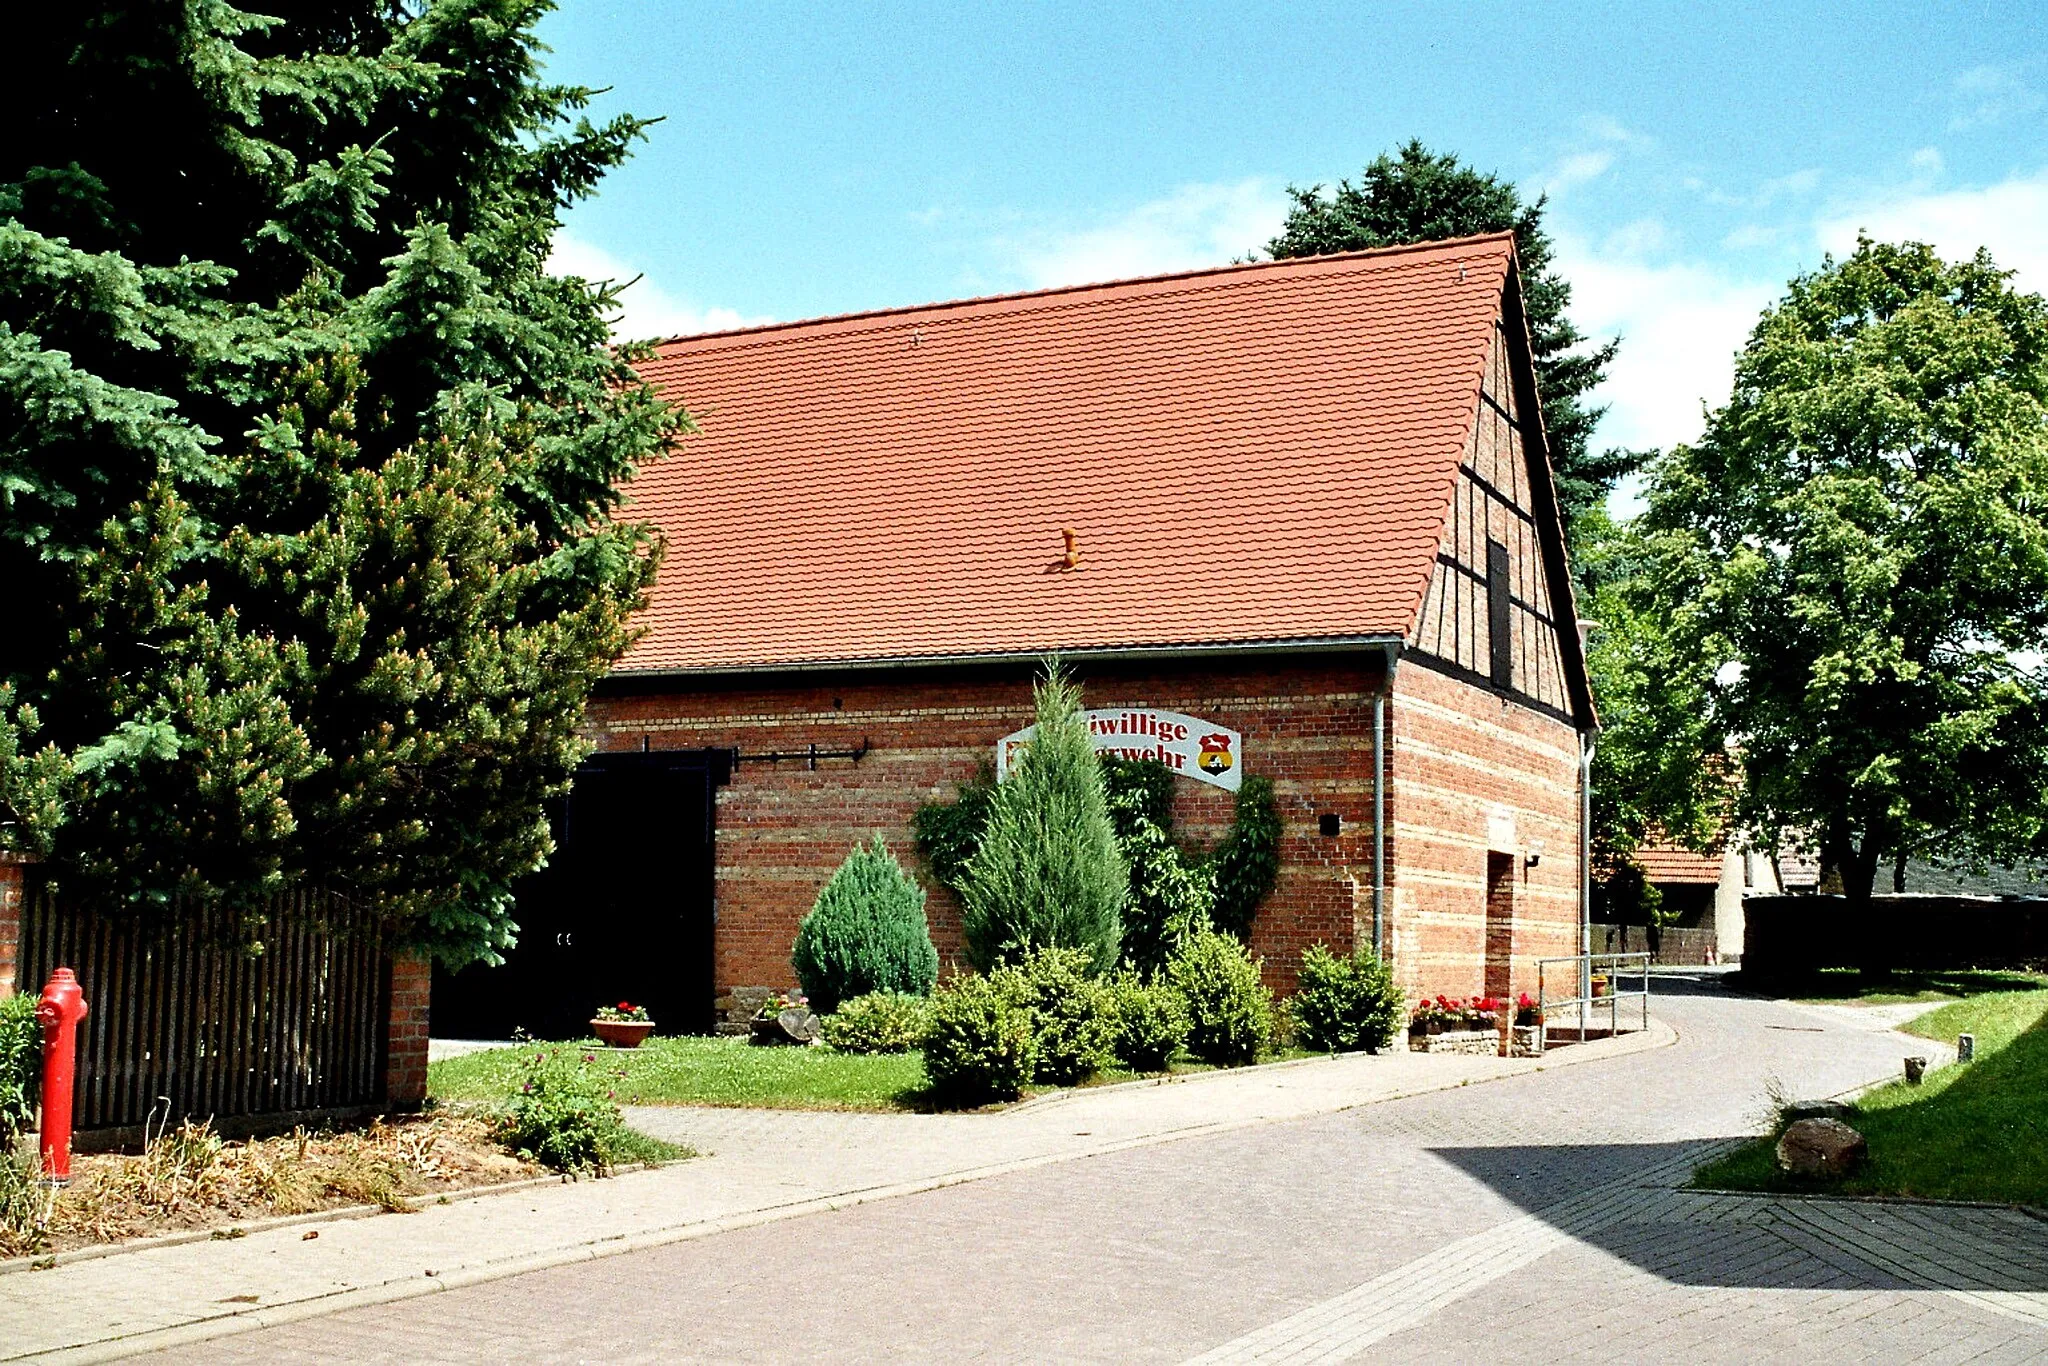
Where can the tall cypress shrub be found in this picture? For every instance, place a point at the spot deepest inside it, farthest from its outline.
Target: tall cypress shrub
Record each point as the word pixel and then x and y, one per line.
pixel 866 932
pixel 1047 873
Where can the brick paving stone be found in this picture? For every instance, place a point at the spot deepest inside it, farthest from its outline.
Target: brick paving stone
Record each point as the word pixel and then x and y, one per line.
pixel 1526 1217
pixel 1530 1217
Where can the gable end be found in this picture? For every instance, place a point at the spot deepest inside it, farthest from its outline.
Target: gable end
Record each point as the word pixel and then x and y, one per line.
pixel 1498 611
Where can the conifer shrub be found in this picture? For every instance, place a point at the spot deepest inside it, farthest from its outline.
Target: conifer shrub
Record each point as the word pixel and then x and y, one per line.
pixel 21 1065
pixel 1046 872
pixel 1230 1011
pixel 1070 1016
pixel 982 1045
pixel 865 933
pixel 1345 1004
pixel 1148 1022
pixel 879 1022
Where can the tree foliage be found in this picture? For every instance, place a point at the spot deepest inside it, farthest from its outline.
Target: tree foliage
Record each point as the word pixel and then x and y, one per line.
pixel 1171 896
pixel 1655 773
pixel 865 933
pixel 1173 892
pixel 308 465
pixel 1417 195
pixel 1046 872
pixel 1851 565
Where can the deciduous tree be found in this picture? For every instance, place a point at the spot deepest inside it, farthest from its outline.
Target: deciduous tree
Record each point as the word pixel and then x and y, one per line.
pixel 1852 564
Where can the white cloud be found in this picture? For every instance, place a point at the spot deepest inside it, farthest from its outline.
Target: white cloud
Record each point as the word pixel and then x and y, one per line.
pixel 1681 325
pixel 1195 226
pixel 1683 319
pixel 1576 169
pixel 2010 218
pixel 645 308
pixel 1985 96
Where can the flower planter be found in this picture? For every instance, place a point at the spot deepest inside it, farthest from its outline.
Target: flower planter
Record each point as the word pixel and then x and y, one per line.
pixel 622 1033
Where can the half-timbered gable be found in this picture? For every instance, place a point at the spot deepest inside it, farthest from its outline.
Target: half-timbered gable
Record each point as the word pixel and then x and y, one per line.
pixel 1492 615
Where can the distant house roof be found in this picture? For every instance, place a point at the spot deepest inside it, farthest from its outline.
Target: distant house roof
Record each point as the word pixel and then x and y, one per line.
pixel 1250 456
pixel 1672 864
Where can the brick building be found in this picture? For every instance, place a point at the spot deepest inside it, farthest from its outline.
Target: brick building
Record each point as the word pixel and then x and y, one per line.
pixel 1306 503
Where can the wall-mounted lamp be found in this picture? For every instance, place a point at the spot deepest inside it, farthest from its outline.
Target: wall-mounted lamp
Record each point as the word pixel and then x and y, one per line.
pixel 1532 856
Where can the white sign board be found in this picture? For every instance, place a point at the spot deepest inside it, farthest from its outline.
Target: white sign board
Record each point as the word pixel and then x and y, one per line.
pixel 1187 745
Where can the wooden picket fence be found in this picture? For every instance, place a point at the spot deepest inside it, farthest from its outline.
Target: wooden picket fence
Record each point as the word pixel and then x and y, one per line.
pixel 187 1021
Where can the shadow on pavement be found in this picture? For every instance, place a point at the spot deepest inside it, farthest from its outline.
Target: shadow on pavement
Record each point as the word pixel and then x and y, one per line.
pixel 1622 1200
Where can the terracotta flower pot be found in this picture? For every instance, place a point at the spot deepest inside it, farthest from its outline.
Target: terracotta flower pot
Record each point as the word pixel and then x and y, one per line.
pixel 622 1033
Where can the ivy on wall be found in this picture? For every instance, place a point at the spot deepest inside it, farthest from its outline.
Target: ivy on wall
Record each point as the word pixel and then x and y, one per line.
pixel 1173 893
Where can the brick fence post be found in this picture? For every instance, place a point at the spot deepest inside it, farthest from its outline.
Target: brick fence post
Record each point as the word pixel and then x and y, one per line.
pixel 11 869
pixel 405 1049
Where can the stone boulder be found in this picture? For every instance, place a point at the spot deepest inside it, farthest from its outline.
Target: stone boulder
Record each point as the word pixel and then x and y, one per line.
pixel 1822 1148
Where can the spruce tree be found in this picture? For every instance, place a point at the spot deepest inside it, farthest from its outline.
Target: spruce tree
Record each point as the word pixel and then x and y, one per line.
pixel 308 465
pixel 1047 873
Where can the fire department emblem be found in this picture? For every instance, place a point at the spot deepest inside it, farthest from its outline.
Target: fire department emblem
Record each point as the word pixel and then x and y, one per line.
pixel 1215 756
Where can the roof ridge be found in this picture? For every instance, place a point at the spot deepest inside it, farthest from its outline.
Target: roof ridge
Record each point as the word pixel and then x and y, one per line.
pixel 1053 291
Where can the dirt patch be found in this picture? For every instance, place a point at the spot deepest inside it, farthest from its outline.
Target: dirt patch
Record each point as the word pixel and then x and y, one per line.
pixel 190 1179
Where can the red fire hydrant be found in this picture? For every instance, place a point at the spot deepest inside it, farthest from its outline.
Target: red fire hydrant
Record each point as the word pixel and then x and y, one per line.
pixel 60 1010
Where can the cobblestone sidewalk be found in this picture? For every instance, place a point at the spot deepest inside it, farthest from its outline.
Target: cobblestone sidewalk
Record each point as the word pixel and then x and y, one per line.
pixel 759 1166
pixel 1536 1217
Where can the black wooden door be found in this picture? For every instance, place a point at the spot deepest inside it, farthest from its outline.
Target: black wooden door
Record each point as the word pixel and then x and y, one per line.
pixel 622 912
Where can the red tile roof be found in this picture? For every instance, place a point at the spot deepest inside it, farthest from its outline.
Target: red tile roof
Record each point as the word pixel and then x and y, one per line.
pixel 1260 453
pixel 1673 864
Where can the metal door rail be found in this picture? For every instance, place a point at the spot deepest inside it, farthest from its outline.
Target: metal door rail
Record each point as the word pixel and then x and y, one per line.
pixel 1583 968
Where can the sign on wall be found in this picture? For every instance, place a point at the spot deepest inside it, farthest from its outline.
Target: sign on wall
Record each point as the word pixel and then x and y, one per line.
pixel 1187 745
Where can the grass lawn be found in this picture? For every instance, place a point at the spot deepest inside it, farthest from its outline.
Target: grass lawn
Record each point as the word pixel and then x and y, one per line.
pixel 1848 986
pixel 730 1071
pixel 709 1071
pixel 1974 1131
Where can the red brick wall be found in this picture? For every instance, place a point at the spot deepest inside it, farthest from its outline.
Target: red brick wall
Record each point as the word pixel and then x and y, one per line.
pixel 782 828
pixel 1473 774
pixel 405 1049
pixel 10 924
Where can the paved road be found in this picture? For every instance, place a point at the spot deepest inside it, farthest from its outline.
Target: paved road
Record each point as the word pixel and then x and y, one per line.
pixel 1530 1217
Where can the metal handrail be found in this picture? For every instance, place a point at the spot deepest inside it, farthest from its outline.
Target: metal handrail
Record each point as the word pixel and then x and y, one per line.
pixel 1615 965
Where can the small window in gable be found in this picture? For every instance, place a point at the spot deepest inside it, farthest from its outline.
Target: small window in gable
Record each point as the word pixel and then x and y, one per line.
pixel 1499 607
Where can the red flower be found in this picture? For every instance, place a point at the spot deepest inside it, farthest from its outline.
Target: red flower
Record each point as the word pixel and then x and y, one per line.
pixel 625 1005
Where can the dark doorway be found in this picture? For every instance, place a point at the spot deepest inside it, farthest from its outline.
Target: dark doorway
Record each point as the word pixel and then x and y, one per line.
pixel 622 912
pixel 1500 923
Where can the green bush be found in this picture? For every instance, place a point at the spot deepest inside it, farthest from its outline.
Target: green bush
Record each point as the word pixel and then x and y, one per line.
pixel 1070 1016
pixel 1345 1003
pixel 21 1065
pixel 564 1114
pixel 981 1045
pixel 879 1022
pixel 866 932
pixel 1148 1022
pixel 1169 897
pixel 1047 873
pixel 1230 1011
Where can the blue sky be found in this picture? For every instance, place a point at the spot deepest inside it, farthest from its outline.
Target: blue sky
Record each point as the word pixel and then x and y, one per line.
pixel 822 159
